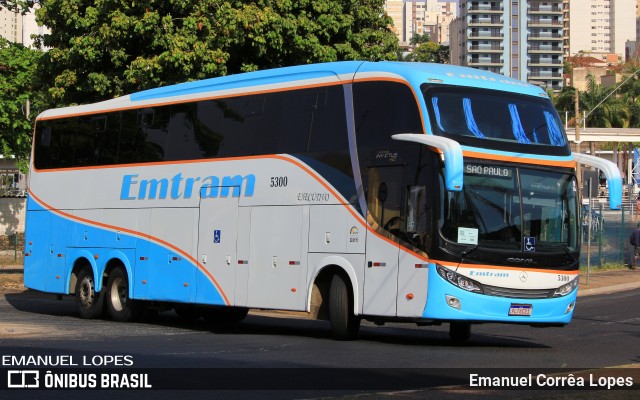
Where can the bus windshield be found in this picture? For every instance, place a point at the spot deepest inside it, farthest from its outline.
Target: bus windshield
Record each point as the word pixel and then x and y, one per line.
pixel 512 208
pixel 482 116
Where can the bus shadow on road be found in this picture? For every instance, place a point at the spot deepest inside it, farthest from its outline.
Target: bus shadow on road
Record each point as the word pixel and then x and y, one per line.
pixel 34 302
pixel 256 325
pixel 396 335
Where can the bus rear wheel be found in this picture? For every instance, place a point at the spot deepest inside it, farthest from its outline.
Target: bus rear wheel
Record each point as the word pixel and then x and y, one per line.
pixel 344 324
pixel 88 301
pixel 120 306
pixel 459 332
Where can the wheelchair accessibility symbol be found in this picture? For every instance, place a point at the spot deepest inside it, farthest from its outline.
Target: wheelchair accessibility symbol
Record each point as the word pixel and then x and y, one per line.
pixel 216 236
pixel 529 243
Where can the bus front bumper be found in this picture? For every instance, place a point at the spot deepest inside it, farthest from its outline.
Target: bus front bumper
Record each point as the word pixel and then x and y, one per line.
pixel 446 302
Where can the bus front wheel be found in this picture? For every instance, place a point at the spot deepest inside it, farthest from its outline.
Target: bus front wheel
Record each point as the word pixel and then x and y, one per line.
pixel 88 301
pixel 344 324
pixel 121 308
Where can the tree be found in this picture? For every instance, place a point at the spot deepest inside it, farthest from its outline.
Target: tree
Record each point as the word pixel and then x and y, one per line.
pixel 564 102
pixel 419 39
pixel 603 111
pixel 17 67
pixel 17 5
pixel 113 47
pixel 430 52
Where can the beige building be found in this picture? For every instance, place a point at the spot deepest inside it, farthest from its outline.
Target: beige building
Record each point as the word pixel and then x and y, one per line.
pixel 18 28
pixel 11 25
pixel 457 43
pixel 395 10
pixel 599 26
pixel 419 17
pixel 428 17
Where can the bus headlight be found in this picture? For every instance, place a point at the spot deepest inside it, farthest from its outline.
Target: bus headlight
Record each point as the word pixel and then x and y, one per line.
pixel 566 289
pixel 458 280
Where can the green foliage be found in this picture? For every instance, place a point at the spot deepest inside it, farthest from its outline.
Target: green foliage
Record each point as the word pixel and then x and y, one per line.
pixel 113 47
pixel 430 52
pixel 604 109
pixel 17 5
pixel 17 66
pixel 418 39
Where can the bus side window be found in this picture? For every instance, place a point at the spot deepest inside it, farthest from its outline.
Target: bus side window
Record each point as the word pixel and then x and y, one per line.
pixel 382 109
pixel 107 130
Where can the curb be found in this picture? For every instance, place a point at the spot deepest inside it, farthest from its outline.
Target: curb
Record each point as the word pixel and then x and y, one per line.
pixel 10 271
pixel 608 289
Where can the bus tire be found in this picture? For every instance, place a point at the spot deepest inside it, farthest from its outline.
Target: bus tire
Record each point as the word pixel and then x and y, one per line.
pixel 459 332
pixel 121 308
pixel 89 303
pixel 344 324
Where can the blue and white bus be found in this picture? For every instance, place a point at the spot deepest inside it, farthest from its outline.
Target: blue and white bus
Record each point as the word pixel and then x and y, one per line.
pixel 351 190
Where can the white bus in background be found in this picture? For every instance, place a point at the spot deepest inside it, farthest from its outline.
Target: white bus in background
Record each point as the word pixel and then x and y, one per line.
pixel 352 190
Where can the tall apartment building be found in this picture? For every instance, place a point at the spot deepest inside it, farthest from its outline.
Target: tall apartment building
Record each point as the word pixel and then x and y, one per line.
pixel 11 25
pixel 430 17
pixel 516 38
pixel 395 10
pixel 599 27
pixel 419 17
pixel 18 28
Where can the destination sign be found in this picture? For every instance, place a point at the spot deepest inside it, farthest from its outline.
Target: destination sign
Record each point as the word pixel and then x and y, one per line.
pixel 488 170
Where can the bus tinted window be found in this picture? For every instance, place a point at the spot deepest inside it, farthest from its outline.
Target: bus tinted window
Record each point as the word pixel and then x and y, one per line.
pixel 309 121
pixel 393 172
pixel 383 109
pixel 472 116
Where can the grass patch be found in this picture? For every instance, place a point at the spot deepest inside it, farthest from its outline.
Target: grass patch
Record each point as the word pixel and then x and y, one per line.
pixel 606 266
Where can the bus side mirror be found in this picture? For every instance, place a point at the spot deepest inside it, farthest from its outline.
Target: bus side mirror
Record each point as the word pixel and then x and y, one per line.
pixel 452 152
pixel 611 172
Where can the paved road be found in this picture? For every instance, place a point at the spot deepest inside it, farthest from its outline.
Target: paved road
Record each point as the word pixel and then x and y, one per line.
pixel 604 333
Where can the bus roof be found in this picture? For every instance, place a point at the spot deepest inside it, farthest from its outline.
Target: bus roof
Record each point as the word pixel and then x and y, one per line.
pixel 305 76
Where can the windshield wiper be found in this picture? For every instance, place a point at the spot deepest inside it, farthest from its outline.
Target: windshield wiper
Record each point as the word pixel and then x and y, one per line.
pixel 468 250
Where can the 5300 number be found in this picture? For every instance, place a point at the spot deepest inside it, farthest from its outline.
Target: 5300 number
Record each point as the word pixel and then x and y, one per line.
pixel 278 181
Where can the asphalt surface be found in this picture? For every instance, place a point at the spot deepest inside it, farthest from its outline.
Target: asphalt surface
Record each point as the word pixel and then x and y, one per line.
pixel 593 283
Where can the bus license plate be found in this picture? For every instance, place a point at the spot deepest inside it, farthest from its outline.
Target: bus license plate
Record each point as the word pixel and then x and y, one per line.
pixel 520 310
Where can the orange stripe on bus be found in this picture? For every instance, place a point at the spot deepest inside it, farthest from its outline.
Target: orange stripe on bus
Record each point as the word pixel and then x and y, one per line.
pixel 138 234
pixel 520 159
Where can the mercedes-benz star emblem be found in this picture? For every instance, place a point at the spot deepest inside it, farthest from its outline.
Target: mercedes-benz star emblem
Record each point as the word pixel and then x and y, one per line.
pixel 523 276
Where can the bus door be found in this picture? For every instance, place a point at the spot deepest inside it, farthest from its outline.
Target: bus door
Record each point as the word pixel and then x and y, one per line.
pixel 171 275
pixel 217 239
pixel 384 196
pixel 277 258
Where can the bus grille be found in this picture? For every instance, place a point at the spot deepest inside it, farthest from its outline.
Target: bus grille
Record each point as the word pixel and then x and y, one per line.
pixel 518 293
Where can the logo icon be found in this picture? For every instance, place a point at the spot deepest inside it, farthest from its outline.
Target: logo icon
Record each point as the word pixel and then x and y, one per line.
pixel 23 379
pixel 523 276
pixel 216 236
